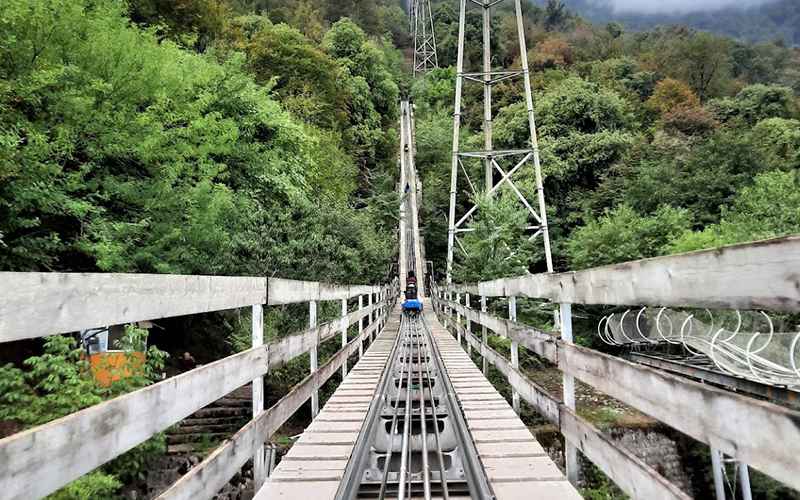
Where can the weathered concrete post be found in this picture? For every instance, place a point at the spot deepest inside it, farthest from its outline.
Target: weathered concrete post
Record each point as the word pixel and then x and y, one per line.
pixel 483 338
pixel 446 309
pixel 450 307
pixel 744 481
pixel 312 323
pixel 512 315
pixel 259 471
pixel 360 327
pixel 343 328
pixel 458 318
pixel 467 326
pixel 370 318
pixel 716 469
pixel 570 451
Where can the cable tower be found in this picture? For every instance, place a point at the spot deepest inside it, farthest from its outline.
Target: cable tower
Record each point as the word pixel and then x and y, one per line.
pixel 421 21
pixel 506 163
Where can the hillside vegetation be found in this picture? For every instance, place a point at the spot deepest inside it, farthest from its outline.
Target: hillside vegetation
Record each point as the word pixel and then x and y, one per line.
pixel 652 143
pixel 259 137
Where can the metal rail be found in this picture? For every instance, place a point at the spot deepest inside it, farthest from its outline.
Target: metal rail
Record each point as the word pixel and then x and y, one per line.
pixel 415 395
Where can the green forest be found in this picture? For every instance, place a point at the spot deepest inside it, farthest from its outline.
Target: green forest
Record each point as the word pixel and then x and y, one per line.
pixel 652 142
pixel 259 137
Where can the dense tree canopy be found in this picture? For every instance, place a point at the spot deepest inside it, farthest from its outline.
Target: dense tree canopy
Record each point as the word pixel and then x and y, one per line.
pixel 168 161
pixel 644 136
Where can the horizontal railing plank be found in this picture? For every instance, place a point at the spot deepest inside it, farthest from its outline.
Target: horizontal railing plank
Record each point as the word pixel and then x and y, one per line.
pixel 284 291
pixel 38 461
pixel 535 395
pixel 209 476
pixel 629 472
pixel 536 341
pixel 289 347
pixel 48 457
pixel 39 304
pixel 759 275
pixel 761 434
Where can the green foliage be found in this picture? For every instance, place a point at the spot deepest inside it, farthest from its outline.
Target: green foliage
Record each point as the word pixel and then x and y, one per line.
pixel 298 71
pixel 93 486
pixel 497 245
pixel 778 140
pixel 60 382
pixel 756 103
pixel 622 234
pixel 700 177
pixel 767 209
pixel 434 90
pixel 192 22
pixel 54 384
pixel 167 161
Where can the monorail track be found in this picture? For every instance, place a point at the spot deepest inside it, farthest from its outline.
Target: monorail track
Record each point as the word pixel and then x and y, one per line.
pixel 343 453
pixel 415 442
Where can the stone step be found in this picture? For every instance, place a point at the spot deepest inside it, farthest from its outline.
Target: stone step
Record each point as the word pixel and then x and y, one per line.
pixel 234 420
pixel 175 449
pixel 228 428
pixel 196 437
pixel 211 412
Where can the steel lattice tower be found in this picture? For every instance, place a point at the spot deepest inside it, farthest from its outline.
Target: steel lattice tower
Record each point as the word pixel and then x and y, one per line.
pixel 421 24
pixel 491 158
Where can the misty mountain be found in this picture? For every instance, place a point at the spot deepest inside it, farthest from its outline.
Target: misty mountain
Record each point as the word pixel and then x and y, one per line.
pixel 768 21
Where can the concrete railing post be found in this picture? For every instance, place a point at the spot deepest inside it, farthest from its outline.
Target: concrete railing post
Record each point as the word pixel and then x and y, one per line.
pixel 449 307
pixel 458 318
pixel 360 327
pixel 570 451
pixel 259 469
pixel 717 471
pixel 312 323
pixel 512 315
pixel 343 328
pixel 446 309
pixel 370 318
pixel 744 481
pixel 484 339
pixel 467 325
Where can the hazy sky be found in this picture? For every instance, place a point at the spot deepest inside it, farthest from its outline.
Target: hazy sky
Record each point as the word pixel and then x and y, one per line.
pixel 677 6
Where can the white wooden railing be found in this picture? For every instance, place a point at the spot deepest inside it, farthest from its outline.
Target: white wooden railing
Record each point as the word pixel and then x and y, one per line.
pixel 762 275
pixel 38 461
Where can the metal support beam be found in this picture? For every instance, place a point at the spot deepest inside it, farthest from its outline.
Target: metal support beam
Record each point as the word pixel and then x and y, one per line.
pixel 487 98
pixel 744 481
pixel 716 469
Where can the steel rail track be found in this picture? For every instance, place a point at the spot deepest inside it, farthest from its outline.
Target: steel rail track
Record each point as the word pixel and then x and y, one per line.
pixel 414 394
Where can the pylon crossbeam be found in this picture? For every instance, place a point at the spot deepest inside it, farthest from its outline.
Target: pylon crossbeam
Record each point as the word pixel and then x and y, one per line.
pixel 517 191
pixel 498 153
pixel 494 188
